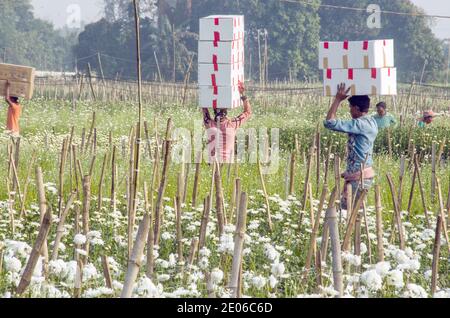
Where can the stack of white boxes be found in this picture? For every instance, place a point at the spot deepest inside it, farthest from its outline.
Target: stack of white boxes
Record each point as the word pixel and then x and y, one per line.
pixel 365 66
pixel 220 61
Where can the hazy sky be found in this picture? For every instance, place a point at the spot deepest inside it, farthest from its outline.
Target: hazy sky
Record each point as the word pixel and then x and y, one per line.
pixel 91 10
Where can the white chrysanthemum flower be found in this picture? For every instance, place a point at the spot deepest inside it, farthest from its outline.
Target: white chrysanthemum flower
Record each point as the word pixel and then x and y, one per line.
pixel 372 280
pixel 163 277
pixel 428 274
pixel 442 293
pixel 415 291
pixel 273 281
pixel 216 276
pixel 278 269
pixel 383 268
pixel 259 281
pixel 395 278
pixel 146 288
pixel 89 272
pixel 79 239
pixel 271 253
pixel 12 264
pixel 351 259
pixel 226 244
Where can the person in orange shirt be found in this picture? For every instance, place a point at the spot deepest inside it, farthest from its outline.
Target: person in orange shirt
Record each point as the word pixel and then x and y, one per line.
pixel 14 112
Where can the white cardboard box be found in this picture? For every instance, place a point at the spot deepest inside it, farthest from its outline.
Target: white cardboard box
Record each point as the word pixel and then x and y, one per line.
pixel 356 54
pixel 221 28
pixel 220 74
pixel 375 81
pixel 219 97
pixel 221 52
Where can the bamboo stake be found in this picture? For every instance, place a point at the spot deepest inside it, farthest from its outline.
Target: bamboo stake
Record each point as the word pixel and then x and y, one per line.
pixel 441 213
pixel 196 179
pixel 219 199
pixel 398 217
pixel 411 193
pixel 331 219
pixel 379 223
pixel 315 231
pixel 35 252
pixel 422 195
pixel 100 184
pixel 238 245
pixel 266 196
pixel 204 222
pixel 400 188
pixel 60 228
pixel 27 182
pixel 193 251
pixel 292 174
pixel 134 262
pixel 85 214
pixel 352 220
pixel 179 236
pixel 433 172
pixel 436 253
pixel 106 272
pixel 42 206
pixel 163 184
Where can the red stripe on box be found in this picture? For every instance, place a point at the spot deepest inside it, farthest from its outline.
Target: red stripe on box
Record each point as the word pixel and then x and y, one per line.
pixel 366 45
pixel 374 73
pixel 216 38
pixel 213 79
pixel 216 21
pixel 326 45
pixel 214 105
pixel 329 73
pixel 215 90
pixel 350 74
pixel 346 45
pixel 389 72
pixel 216 65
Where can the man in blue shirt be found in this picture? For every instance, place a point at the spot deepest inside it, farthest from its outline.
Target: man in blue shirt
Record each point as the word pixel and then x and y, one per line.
pixel 362 131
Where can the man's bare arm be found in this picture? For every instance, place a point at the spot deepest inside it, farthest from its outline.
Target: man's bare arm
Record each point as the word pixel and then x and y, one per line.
pixel 341 95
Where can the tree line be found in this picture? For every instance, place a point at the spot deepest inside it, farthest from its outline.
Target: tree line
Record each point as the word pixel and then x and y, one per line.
pixel 281 37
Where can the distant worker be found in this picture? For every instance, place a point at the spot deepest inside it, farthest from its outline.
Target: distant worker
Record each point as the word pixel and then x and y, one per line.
pixel 224 149
pixel 362 131
pixel 427 118
pixel 14 112
pixel 383 118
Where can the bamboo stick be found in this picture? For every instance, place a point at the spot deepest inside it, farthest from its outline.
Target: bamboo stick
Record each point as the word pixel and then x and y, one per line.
pixel 42 206
pixel 196 179
pixel 85 214
pixel 238 245
pixel 179 236
pixel 422 195
pixel 352 220
pixel 331 219
pixel 219 199
pixel 60 227
pixel 35 252
pixel 379 223
pixel 315 231
pixel 106 272
pixel 266 196
pixel 163 184
pixel 193 251
pixel 436 253
pixel 398 217
pixel 100 184
pixel 134 262
pixel 204 222
pixel 292 174
pixel 27 182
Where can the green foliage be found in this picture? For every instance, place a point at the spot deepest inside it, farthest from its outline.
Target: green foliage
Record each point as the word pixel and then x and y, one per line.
pixel 31 41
